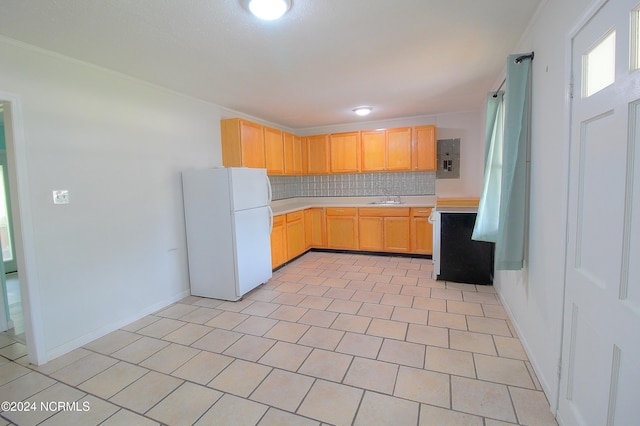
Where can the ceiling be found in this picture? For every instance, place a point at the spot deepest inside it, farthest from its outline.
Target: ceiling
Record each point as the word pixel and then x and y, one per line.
pixel 405 58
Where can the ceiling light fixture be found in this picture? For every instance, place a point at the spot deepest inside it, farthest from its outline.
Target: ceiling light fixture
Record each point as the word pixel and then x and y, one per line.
pixel 269 9
pixel 363 110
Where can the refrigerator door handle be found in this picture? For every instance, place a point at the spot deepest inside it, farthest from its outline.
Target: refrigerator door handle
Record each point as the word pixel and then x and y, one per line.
pixel 270 219
pixel 269 191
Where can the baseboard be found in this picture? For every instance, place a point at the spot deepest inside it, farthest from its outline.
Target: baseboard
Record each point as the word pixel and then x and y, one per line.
pixel 546 388
pixel 83 340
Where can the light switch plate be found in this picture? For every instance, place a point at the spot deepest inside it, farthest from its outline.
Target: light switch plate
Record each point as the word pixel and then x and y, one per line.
pixel 61 197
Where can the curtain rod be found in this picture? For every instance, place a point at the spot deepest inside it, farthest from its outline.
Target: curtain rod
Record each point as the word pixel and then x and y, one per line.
pixel 518 60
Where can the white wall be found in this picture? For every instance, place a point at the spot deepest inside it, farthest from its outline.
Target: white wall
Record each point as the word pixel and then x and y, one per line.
pixel 534 296
pixel 468 126
pixel 118 250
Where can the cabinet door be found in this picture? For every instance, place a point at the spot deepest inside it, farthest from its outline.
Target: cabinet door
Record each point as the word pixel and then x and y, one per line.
pixel 295 238
pixel 314 228
pixel 274 151
pixel 345 152
pixel 292 154
pixel 318 154
pixel 396 234
pixel 371 235
pixel 424 148
pixel 342 232
pixel 373 150
pixel 252 143
pixel 399 149
pixel 421 231
pixel 278 241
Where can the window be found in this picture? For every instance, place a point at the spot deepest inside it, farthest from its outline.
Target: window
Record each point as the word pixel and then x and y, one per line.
pixel 634 40
pixel 599 65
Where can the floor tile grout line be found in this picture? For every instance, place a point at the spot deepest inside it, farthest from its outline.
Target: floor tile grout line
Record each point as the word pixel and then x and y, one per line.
pixel 484 308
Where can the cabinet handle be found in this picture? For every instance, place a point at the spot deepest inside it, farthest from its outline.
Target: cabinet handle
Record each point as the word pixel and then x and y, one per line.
pixel 339 210
pixel 423 211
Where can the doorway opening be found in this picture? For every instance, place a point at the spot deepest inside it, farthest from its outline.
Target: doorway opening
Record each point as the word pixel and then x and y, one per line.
pixel 12 320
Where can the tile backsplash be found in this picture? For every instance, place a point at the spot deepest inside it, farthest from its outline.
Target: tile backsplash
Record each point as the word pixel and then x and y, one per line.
pixel 354 185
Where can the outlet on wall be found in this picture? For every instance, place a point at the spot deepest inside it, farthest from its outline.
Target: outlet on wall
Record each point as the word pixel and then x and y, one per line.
pixel 61 197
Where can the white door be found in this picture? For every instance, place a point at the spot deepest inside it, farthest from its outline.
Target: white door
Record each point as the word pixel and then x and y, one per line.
pixel 600 367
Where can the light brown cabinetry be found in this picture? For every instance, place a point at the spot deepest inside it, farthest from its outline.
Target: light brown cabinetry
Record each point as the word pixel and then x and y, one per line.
pixel 424 148
pixel 345 152
pixel 397 234
pixel 342 228
pixel 278 241
pixel 314 227
pixel 421 231
pixel 386 150
pixel 292 154
pixel 242 143
pixel 295 234
pixel 317 148
pixel 373 150
pixel 371 233
pixel 274 151
pixel 384 229
pixel 399 149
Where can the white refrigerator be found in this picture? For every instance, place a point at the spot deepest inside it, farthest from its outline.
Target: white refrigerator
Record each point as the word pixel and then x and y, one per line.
pixel 228 222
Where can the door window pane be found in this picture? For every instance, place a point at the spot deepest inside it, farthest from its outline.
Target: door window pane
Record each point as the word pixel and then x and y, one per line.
pixel 634 42
pixel 599 65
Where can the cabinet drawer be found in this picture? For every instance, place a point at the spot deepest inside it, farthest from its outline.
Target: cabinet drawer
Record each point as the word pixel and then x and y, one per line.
pixel 341 211
pixel 421 211
pixel 279 220
pixel 294 216
pixel 384 211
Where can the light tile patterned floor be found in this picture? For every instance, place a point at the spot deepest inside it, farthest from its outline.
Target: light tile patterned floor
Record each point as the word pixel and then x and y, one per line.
pixel 339 339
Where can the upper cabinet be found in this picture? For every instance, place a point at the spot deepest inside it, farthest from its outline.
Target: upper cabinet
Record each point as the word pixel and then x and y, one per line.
pixel 242 143
pixel 247 144
pixel 292 154
pixel 274 151
pixel 386 150
pixel 424 148
pixel 399 149
pixel 345 152
pixel 373 150
pixel 317 148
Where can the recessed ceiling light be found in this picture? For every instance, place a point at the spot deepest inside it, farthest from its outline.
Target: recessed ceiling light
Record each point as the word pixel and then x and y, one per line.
pixel 269 9
pixel 363 110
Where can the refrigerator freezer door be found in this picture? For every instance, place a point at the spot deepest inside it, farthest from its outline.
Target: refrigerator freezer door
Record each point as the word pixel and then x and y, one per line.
pixel 249 188
pixel 253 248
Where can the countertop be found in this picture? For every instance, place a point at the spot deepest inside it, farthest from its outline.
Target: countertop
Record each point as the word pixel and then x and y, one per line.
pixel 293 204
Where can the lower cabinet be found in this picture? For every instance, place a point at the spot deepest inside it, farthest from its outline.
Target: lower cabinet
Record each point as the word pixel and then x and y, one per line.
pixel 314 228
pixel 421 231
pixel 371 230
pixel 396 234
pixel 295 234
pixel 278 241
pixel 342 228
pixel 384 229
pixel 380 229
